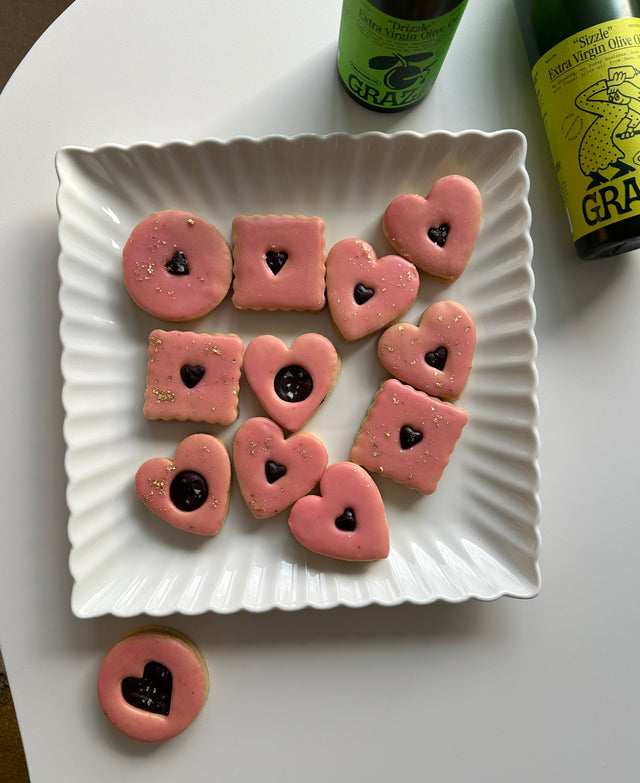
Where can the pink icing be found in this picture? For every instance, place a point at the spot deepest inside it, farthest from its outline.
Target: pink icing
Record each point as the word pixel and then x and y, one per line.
pixel 377 446
pixel 402 349
pixel 301 455
pixel 344 488
pixel 128 658
pixel 453 201
pixel 152 244
pixel 266 355
pixel 299 284
pixel 214 398
pixel 203 454
pixel 393 280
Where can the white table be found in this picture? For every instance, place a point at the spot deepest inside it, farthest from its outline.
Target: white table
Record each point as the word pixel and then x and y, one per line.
pixel 540 690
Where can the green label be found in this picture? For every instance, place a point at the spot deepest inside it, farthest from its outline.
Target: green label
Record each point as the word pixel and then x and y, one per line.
pixel 588 88
pixel 391 63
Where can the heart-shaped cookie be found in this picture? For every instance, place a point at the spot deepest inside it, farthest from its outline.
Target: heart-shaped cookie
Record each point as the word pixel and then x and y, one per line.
pixel 190 492
pixel 437 232
pixel 273 471
pixel 366 293
pixel 434 356
pixel 291 383
pixel 347 521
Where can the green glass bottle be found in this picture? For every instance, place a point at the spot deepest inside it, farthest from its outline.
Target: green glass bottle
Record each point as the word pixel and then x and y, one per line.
pixel 585 60
pixel 390 51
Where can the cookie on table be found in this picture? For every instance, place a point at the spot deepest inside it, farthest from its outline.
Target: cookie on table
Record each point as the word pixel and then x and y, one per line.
pixel 190 491
pixel 273 471
pixel 347 521
pixel 193 376
pixel 366 293
pixel 408 436
pixel 176 265
pixel 278 262
pixel 291 382
pixel 152 684
pixel 436 232
pixel 436 355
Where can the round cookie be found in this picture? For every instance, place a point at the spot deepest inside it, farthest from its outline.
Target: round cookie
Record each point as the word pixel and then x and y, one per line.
pixel 176 265
pixel 152 684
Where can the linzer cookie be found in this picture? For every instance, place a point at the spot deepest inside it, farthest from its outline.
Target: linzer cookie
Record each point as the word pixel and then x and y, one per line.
pixel 278 262
pixel 191 491
pixel 273 471
pixel 434 356
pixel 152 684
pixel 193 376
pixel 408 436
pixel 347 521
pixel 176 265
pixel 366 293
pixel 437 232
pixel 291 382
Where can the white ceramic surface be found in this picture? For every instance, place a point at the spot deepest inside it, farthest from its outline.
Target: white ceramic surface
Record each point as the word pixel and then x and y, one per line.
pixel 476 536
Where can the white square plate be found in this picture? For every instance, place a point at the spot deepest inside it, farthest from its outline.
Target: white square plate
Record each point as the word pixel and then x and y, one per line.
pixel 476 536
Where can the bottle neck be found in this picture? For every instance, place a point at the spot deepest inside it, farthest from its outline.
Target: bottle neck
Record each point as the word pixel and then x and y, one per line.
pixel 415 10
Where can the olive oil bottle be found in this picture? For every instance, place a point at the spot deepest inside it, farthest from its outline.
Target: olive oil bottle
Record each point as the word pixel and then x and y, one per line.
pixel 585 60
pixel 390 51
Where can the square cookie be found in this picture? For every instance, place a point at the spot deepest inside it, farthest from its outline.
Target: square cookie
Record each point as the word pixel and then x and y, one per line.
pixel 408 436
pixel 278 262
pixel 193 376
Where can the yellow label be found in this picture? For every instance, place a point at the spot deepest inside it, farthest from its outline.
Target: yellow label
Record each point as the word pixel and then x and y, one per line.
pixel 588 88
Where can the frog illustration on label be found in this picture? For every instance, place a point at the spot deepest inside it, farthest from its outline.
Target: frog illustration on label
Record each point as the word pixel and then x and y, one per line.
pixel 615 102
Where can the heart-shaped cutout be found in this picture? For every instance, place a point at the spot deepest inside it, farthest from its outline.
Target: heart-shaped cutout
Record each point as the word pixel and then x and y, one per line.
pixel 178 264
pixel 273 471
pixel 366 293
pixel 276 259
pixel 152 691
pixel 291 383
pixel 438 358
pixel 190 492
pixel 409 437
pixel 434 356
pixel 347 520
pixel 191 374
pixel 437 232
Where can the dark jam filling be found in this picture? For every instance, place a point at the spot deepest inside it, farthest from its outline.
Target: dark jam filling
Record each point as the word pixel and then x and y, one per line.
pixel 273 471
pixel 362 294
pixel 293 383
pixel 276 259
pixel 188 490
pixel 437 359
pixel 152 691
pixel 177 264
pixel 439 234
pixel 191 374
pixel 347 520
pixel 409 437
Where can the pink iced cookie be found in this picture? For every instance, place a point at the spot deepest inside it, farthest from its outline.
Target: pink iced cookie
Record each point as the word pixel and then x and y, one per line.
pixel 347 521
pixel 176 265
pixel 274 472
pixel 153 684
pixel 434 356
pixel 366 293
pixel 191 491
pixel 408 436
pixel 278 262
pixel 437 232
pixel 291 383
pixel 193 377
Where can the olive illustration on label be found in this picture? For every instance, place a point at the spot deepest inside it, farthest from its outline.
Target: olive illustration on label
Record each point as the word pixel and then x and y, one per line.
pixel 401 70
